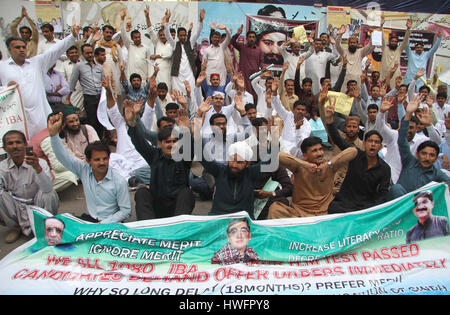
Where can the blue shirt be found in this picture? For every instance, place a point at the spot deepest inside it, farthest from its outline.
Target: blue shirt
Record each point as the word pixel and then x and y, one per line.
pixel 416 62
pixel 413 176
pixel 107 200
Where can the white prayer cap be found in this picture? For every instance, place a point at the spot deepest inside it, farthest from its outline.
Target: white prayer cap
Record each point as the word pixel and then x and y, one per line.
pixel 218 93
pixel 242 149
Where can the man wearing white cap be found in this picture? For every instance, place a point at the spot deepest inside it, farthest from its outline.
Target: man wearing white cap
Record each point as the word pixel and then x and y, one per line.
pixel 235 181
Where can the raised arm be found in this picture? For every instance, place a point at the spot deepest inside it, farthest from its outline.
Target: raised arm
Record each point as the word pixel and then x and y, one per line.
pixel 198 29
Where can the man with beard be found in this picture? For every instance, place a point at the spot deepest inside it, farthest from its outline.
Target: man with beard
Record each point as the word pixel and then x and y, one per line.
pixel 24 180
pixel 391 53
pixel 428 225
pixel 419 169
pixel 349 135
pixel 106 192
pixel 251 57
pixel 354 56
pixel 76 136
pixel 235 181
pixel 368 176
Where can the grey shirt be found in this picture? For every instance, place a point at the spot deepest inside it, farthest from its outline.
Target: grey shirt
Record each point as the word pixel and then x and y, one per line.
pixel 90 78
pixel 23 181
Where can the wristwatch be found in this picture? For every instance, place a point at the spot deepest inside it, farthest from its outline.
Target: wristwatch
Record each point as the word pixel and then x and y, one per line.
pixel 274 194
pixel 330 164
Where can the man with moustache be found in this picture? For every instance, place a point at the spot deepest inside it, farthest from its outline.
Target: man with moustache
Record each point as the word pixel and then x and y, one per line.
pixel 391 53
pixel 428 225
pixel 29 35
pixel 214 55
pixel 418 59
pixel 315 65
pixel 313 180
pixel 235 180
pixel 29 75
pixel 368 177
pixel 354 56
pixel 53 230
pixel 106 192
pixel 24 180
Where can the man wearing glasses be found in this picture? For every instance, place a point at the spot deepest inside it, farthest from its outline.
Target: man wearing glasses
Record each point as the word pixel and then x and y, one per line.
pixel 236 250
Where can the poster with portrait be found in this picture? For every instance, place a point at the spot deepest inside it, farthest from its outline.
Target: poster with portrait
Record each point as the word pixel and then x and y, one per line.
pixel 271 33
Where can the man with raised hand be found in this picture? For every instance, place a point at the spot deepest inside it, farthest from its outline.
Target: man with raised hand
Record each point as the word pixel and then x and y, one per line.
pixel 183 59
pixel 25 179
pixel 417 170
pixel 28 74
pixel 368 177
pixel 106 192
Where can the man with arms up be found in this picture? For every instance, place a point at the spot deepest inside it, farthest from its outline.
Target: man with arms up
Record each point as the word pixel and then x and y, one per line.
pixel 28 74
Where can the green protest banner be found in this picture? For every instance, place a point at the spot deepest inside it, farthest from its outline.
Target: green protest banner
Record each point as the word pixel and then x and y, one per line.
pixel 382 250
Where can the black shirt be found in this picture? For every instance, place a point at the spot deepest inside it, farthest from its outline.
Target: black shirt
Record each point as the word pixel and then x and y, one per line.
pixel 434 226
pixel 362 187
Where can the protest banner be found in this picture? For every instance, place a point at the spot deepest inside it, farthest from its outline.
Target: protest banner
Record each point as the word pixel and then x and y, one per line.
pixel 372 251
pixel 12 115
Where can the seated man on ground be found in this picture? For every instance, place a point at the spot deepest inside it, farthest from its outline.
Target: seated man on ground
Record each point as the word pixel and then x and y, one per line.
pixel 313 180
pixel 24 180
pixel 106 192
pixel 368 176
